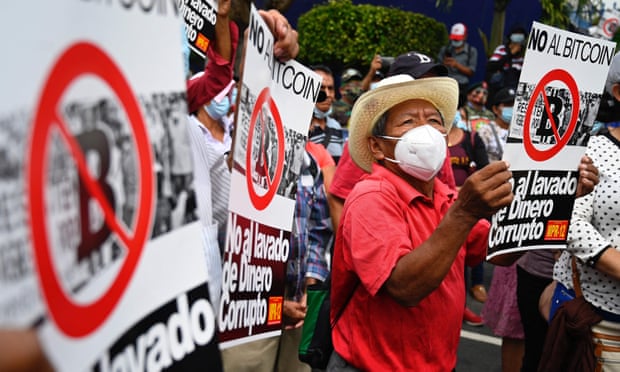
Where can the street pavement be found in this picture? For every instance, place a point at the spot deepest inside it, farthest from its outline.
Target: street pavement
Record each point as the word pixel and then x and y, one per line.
pixel 479 349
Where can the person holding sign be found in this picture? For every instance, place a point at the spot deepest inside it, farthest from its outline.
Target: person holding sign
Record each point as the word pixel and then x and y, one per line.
pixel 594 239
pixel 209 97
pixel 402 265
pixel 534 273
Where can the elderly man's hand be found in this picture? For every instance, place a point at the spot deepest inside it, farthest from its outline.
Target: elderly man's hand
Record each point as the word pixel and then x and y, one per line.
pixel 486 191
pixel 588 176
pixel 286 46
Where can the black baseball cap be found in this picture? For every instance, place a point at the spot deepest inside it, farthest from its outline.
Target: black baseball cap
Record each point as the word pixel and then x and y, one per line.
pixel 476 85
pixel 416 65
pixel 504 95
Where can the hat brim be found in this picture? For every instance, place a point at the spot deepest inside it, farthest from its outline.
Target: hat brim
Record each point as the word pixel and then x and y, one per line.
pixel 441 92
pixel 457 37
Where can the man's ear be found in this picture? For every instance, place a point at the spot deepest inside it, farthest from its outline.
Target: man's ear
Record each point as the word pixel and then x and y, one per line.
pixel 615 91
pixel 496 110
pixel 375 147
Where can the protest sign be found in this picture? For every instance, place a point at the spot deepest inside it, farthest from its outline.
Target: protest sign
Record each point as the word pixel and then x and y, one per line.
pixel 96 189
pixel 556 102
pixel 607 25
pixel 276 102
pixel 200 17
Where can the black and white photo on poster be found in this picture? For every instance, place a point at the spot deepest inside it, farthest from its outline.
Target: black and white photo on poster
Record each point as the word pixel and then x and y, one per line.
pixel 264 138
pixel 101 129
pixel 557 105
pixel 20 305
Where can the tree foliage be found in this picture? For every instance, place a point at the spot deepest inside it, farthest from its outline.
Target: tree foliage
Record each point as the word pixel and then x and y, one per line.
pixel 555 13
pixel 341 33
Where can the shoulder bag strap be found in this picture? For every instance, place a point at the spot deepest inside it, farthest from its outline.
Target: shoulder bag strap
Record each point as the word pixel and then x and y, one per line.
pixel 339 313
pixel 575 275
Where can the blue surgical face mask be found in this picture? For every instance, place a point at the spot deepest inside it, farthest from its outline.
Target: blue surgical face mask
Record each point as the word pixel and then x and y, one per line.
pixel 457 43
pixel 517 38
pixel 218 110
pixel 233 96
pixel 459 122
pixel 507 114
pixel 596 127
pixel 320 114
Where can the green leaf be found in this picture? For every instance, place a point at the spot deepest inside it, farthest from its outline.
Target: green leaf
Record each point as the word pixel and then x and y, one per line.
pixel 340 33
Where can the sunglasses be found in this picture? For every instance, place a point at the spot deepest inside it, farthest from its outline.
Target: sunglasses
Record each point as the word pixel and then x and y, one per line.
pixel 478 91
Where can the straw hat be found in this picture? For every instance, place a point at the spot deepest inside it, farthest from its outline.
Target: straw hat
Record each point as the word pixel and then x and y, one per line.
pixel 441 92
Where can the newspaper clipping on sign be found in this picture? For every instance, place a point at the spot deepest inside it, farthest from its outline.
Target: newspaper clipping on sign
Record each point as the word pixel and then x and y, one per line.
pixel 276 102
pixel 100 248
pixel 556 103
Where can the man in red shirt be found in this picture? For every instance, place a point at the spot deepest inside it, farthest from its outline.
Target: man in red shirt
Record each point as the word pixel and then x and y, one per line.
pixel 397 275
pixel 347 174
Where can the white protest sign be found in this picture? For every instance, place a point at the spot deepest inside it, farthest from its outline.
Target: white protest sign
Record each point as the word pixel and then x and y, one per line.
pixel 98 183
pixel 276 102
pixel 607 25
pixel 557 99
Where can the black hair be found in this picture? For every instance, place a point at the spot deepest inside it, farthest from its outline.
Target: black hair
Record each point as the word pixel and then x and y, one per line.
pixel 609 109
pixel 518 29
pixel 323 68
pixel 379 128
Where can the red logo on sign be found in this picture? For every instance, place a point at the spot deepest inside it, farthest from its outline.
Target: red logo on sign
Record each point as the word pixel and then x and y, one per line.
pixel 275 310
pixel 560 140
pixel 81 59
pixel 202 43
pixel 270 176
pixel 609 27
pixel 556 230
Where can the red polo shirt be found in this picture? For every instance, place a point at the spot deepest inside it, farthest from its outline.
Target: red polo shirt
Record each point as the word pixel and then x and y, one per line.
pixel 384 218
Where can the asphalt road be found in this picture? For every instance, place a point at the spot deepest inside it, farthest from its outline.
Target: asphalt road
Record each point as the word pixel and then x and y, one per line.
pixel 479 349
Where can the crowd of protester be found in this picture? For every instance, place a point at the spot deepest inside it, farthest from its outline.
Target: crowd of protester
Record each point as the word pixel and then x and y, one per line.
pixel 395 269
pixel 399 232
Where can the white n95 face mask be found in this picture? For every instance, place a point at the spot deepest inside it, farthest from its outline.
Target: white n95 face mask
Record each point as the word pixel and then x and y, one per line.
pixel 420 152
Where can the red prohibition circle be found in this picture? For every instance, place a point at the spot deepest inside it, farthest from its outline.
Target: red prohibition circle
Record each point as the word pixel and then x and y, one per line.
pixel 261 202
pixel 609 26
pixel 542 155
pixel 74 319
